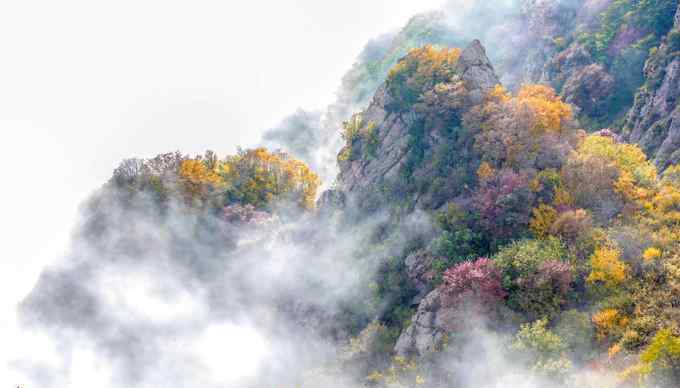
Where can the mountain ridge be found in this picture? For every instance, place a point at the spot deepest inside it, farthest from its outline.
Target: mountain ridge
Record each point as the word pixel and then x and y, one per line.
pixel 476 235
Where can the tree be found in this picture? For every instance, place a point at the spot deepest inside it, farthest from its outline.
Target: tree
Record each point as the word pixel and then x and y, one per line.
pixel 609 323
pixel 198 179
pixel 419 72
pixel 537 275
pixel 542 220
pixel 501 203
pixel 458 240
pixel 534 129
pixel 571 225
pixel 128 171
pixel 576 330
pixel 619 176
pixel 258 177
pixel 472 281
pixel 607 268
pixel 549 111
pixel 659 362
pixel 543 349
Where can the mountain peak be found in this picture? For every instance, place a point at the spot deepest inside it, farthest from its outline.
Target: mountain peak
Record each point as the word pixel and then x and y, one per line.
pixel 476 70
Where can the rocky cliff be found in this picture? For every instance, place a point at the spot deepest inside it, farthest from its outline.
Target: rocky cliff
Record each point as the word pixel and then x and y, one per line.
pixel 654 120
pixel 391 158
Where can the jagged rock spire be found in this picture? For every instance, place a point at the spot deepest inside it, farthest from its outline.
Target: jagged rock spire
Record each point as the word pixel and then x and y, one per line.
pixel 476 70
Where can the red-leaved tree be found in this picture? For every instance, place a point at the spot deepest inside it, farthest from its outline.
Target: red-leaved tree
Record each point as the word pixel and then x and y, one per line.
pixel 472 281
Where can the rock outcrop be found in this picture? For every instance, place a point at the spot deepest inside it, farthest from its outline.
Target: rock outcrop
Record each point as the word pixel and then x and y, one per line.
pixel 419 270
pixel 400 135
pixel 476 71
pixel 428 328
pixel 544 21
pixel 654 120
pixel 393 144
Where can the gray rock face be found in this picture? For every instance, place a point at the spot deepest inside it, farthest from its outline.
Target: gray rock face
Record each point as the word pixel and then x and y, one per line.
pixel 419 269
pixel 545 20
pixel 427 330
pixel 431 324
pixel 393 143
pixel 654 120
pixel 331 200
pixel 548 18
pixel 477 72
pixel 582 82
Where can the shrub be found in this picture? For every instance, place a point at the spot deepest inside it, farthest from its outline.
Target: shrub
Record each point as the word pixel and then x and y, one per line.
pixel 402 373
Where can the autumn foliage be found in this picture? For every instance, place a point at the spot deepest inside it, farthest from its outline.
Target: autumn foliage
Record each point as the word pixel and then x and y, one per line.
pixel 254 177
pixel 533 129
pixel 258 177
pixel 549 112
pixel 420 71
pixel 479 280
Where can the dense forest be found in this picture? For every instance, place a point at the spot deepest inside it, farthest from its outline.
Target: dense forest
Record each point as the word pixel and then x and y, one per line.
pixel 501 219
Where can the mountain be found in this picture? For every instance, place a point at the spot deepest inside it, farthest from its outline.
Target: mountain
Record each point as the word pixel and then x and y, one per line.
pixel 502 215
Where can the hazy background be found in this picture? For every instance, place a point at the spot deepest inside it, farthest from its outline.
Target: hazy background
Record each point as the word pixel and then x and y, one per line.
pixel 84 84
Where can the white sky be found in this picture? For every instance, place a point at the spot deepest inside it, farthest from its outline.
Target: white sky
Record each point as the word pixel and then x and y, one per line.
pixel 84 84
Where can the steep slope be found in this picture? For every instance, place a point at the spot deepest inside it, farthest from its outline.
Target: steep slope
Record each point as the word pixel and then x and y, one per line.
pixel 388 144
pixel 546 230
pixel 313 136
pixel 592 52
pixel 654 120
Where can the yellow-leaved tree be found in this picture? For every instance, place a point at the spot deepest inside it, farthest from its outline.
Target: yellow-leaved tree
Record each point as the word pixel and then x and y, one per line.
pixel 258 177
pixel 524 131
pixel 607 268
pixel 550 112
pixel 198 178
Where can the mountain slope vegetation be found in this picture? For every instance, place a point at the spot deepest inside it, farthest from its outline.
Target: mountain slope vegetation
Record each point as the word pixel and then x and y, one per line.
pixel 512 221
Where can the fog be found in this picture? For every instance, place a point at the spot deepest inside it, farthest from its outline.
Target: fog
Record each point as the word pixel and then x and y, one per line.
pixel 184 301
pixel 85 85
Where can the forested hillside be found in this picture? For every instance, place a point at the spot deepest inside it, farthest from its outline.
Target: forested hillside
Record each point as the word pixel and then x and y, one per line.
pixel 497 219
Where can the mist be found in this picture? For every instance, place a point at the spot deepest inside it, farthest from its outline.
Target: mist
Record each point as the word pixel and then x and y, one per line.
pixel 149 293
